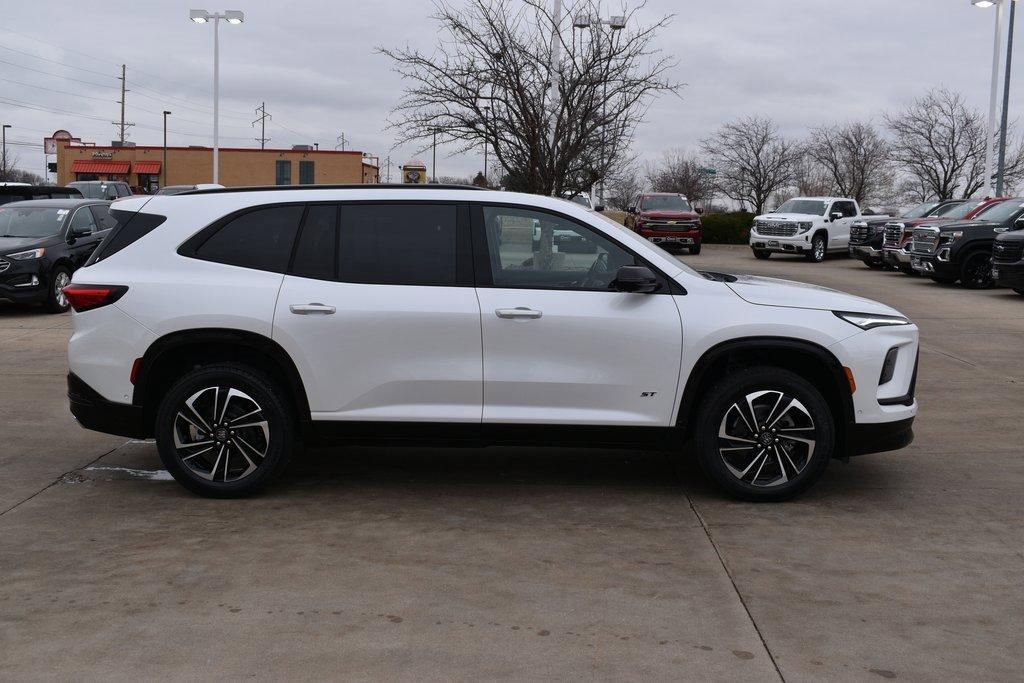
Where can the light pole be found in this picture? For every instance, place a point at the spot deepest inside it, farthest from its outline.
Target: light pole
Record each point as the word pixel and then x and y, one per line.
pixel 994 90
pixel 3 165
pixel 163 168
pixel 487 122
pixel 615 23
pixel 1001 167
pixel 201 16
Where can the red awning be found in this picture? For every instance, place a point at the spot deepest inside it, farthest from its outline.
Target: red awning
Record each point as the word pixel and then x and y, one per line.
pixel 107 167
pixel 152 167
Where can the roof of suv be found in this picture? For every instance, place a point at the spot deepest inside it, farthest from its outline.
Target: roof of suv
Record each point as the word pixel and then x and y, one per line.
pixel 348 186
pixel 56 203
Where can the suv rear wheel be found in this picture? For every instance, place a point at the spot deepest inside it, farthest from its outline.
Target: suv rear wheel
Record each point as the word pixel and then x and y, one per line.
pixel 223 431
pixel 764 434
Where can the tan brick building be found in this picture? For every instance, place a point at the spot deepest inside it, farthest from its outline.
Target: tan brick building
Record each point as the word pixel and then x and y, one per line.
pixel 144 166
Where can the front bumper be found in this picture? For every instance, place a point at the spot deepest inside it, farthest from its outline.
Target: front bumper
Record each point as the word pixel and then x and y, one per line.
pixel 681 238
pixel 933 265
pixel 896 257
pixel 791 245
pixel 862 439
pixel 23 282
pixel 866 253
pixel 98 414
pixel 1008 274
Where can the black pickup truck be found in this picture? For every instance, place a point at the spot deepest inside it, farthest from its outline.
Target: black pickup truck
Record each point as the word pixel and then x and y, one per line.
pixel 867 234
pixel 962 250
pixel 1008 260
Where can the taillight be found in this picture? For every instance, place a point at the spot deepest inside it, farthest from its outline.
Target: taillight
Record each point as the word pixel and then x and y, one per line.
pixel 88 297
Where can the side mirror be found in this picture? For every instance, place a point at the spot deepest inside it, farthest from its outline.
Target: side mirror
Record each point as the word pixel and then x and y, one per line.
pixel 836 215
pixel 636 279
pixel 699 210
pixel 631 209
pixel 599 208
pixel 75 233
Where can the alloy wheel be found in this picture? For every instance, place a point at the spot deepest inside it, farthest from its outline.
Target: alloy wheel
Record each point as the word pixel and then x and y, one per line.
pixel 767 438
pixel 221 434
pixel 819 250
pixel 978 272
pixel 61 281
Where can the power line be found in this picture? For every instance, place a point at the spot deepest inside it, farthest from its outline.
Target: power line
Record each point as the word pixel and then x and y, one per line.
pixel 53 61
pixel 62 92
pixel 263 116
pixel 47 73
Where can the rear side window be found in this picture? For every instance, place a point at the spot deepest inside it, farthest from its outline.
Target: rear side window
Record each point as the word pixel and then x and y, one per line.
pixel 316 251
pixel 398 244
pixel 129 226
pixel 260 239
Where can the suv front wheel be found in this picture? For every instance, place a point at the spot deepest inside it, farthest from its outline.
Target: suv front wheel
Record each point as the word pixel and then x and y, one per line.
pixel 764 434
pixel 223 431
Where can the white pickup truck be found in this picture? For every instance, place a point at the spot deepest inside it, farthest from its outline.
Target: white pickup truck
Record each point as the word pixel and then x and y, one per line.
pixel 812 226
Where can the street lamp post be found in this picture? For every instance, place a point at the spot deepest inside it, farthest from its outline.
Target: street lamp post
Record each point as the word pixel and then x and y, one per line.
pixel 994 90
pixel 201 16
pixel 163 168
pixel 1001 167
pixel 3 164
pixel 615 23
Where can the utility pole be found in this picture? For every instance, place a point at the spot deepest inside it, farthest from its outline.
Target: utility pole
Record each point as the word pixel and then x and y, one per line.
pixel 3 166
pixel 262 120
pixel 163 169
pixel 122 126
pixel 341 142
pixel 433 161
pixel 387 169
pixel 1001 166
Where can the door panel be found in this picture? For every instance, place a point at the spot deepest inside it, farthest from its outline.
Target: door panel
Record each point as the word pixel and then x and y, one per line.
pixel 590 357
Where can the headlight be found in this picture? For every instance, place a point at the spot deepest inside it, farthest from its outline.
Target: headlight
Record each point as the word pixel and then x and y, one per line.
pixel 804 226
pixel 27 255
pixel 951 236
pixel 867 321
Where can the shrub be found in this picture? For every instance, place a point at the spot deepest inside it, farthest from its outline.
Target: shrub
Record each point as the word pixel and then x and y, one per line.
pixel 727 228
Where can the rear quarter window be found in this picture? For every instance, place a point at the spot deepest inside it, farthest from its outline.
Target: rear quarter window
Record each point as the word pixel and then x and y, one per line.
pixel 261 239
pixel 128 227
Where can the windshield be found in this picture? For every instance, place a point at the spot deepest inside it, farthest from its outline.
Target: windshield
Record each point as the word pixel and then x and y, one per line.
pixel 665 202
pixel 175 189
pixel 581 199
pixel 961 211
pixel 30 221
pixel 921 210
pixel 945 209
pixel 1003 211
pixel 91 190
pixel 811 207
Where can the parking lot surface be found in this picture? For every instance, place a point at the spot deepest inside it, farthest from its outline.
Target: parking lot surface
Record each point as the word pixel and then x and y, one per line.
pixel 535 564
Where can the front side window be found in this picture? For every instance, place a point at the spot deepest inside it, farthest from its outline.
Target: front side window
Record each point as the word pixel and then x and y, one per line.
pixel 398 244
pixel 260 239
pixel 316 250
pixel 1003 211
pixel 282 172
pixel 306 173
pixel 846 208
pixel 82 221
pixel 536 250
pixel 104 220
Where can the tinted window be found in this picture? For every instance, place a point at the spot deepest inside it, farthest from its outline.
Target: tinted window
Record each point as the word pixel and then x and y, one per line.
pixel 260 239
pixel 82 220
pixel 538 250
pixel 282 172
pixel 846 208
pixel 306 173
pixel 412 244
pixel 129 226
pixel 316 250
pixel 104 221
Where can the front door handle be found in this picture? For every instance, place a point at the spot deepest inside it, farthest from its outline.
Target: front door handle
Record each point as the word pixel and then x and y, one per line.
pixel 518 312
pixel 307 309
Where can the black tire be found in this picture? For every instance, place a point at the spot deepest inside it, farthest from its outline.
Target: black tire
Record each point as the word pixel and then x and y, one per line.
pixel 802 463
pixel 819 248
pixel 761 255
pixel 695 250
pixel 873 265
pixel 56 302
pixel 943 280
pixel 189 465
pixel 976 271
pixel 907 270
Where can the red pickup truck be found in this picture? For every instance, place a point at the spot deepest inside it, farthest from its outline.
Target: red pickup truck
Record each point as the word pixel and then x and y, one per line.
pixel 667 219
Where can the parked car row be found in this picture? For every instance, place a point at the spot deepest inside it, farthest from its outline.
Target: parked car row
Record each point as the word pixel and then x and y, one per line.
pixel 976 242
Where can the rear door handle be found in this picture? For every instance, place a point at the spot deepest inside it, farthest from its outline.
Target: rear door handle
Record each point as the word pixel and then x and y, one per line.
pixel 518 312
pixel 307 309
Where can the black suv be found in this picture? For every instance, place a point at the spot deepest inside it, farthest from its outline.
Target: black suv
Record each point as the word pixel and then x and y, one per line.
pixel 962 250
pixel 42 242
pixel 867 234
pixel 1008 260
pixel 22 193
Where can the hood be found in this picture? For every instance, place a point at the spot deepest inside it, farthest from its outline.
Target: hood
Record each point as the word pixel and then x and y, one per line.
pixel 916 222
pixel 11 245
pixel 961 225
pixel 1011 236
pixel 769 291
pixel 670 215
pixel 786 216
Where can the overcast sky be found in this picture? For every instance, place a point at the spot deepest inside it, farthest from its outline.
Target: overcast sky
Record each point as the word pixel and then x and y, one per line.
pixel 802 62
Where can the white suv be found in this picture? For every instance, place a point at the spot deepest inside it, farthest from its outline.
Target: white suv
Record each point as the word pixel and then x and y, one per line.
pixel 228 324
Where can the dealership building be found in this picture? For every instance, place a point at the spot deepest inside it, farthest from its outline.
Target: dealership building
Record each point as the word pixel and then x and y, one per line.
pixel 152 167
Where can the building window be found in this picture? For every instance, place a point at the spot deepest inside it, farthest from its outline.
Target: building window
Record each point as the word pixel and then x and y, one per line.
pixel 306 176
pixel 283 175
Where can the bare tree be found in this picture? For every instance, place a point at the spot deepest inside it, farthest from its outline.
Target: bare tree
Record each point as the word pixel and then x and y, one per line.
pixel 623 186
pixel 554 125
pixel 855 157
pixel 810 179
pixel 752 160
pixel 677 172
pixel 8 166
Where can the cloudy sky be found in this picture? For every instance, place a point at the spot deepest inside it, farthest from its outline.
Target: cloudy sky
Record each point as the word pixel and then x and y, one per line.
pixel 803 62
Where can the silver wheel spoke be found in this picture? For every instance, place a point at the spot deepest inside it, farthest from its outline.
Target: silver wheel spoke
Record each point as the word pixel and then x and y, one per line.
pixel 208 431
pixel 189 457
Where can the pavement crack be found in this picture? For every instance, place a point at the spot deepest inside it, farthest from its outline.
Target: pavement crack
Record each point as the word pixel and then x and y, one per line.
pixel 60 479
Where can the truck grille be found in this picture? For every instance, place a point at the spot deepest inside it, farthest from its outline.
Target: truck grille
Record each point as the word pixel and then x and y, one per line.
pixel 776 229
pixel 860 233
pixel 893 235
pixel 925 240
pixel 662 224
pixel 1007 252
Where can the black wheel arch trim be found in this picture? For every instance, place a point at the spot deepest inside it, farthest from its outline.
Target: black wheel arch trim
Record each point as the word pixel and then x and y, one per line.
pixel 202 336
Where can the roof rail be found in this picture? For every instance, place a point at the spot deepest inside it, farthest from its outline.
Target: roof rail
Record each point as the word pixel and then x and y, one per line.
pixel 348 186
